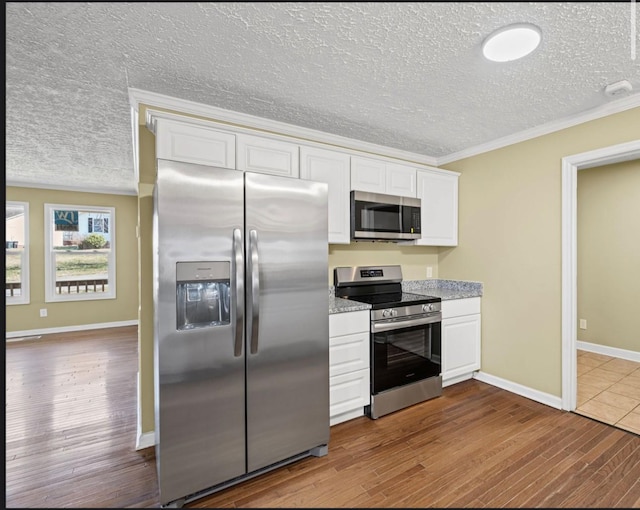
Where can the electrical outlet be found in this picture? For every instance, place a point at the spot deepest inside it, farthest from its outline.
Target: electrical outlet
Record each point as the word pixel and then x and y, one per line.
pixel 43 312
pixel 429 272
pixel 583 323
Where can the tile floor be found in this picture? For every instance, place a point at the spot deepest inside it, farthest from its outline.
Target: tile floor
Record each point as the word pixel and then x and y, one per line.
pixel 609 390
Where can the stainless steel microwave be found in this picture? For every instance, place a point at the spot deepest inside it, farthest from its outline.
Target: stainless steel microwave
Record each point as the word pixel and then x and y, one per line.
pixel 375 216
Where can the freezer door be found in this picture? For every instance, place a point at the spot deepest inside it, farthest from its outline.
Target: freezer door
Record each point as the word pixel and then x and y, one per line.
pixel 287 317
pixel 199 362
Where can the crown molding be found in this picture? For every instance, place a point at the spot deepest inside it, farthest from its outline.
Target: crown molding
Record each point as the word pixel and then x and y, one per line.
pixel 598 112
pixel 237 119
pixel 75 189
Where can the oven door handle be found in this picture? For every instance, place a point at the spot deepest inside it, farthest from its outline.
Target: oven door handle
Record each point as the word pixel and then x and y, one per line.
pixel 381 326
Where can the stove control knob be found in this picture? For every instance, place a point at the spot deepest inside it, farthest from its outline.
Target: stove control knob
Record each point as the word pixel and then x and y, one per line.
pixel 388 312
pixel 427 308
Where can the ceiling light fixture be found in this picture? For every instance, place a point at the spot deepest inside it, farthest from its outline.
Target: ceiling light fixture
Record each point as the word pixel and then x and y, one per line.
pixel 511 42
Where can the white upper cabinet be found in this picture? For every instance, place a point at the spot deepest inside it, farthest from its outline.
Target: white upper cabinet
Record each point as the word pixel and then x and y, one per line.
pixel 377 176
pixel 401 180
pixel 180 141
pixel 368 175
pixel 267 156
pixel 438 191
pixel 322 165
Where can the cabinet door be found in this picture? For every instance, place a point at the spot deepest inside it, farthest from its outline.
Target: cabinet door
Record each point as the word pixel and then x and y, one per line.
pixel 368 175
pixel 460 346
pixel 400 180
pixel 348 395
pixel 333 168
pixel 267 156
pixel 438 191
pixel 178 141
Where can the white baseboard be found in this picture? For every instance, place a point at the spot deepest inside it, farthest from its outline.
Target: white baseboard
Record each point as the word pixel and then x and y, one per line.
pixel 518 389
pixel 17 335
pixel 145 440
pixel 609 351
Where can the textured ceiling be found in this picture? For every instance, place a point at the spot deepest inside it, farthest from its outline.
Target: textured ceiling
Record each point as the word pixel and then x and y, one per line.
pixel 404 75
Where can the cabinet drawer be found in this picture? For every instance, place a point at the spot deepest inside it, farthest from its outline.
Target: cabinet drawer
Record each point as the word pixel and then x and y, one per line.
pixel 458 307
pixel 348 353
pixel 348 392
pixel 348 322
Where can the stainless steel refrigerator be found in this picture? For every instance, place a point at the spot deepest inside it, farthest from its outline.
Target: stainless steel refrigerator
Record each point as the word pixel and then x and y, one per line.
pixel 241 326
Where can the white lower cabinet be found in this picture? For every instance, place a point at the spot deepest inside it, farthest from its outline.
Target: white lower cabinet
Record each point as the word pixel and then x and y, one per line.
pixel 349 388
pixel 460 339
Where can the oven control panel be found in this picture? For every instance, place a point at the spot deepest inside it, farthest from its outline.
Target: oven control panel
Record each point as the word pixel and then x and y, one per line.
pixel 398 312
pixel 371 273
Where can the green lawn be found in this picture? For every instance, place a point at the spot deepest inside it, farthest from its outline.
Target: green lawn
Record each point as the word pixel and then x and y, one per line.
pixel 68 263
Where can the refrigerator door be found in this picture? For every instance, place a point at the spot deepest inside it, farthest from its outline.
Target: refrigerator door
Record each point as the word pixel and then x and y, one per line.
pixel 199 355
pixel 287 317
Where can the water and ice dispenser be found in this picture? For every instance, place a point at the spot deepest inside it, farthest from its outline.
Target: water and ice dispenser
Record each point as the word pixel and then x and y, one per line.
pixel 202 292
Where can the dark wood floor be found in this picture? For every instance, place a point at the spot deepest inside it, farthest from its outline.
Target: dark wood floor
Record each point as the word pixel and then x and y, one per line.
pixel 71 426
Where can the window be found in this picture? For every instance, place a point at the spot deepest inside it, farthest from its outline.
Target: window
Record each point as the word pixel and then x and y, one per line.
pixel 17 253
pixel 80 252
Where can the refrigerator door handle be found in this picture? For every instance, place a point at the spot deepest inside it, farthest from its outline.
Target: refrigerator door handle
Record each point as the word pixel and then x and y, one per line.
pixel 254 316
pixel 239 292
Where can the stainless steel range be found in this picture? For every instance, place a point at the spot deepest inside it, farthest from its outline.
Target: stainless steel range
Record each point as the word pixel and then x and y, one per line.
pixel 406 336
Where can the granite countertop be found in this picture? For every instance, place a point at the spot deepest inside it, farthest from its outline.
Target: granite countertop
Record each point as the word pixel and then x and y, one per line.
pixel 339 305
pixel 444 289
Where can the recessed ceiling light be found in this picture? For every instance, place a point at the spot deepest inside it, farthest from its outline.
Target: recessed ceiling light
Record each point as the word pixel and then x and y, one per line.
pixel 511 42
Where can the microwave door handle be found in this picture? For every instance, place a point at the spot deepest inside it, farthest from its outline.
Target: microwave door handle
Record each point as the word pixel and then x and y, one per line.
pixel 380 326
pixel 238 271
pixel 253 317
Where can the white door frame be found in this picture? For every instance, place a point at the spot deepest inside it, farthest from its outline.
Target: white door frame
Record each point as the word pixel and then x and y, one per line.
pixel 570 166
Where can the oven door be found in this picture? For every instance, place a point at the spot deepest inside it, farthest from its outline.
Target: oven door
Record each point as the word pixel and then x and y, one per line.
pixel 405 351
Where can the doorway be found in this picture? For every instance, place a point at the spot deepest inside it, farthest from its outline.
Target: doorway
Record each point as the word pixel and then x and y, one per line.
pixel 570 166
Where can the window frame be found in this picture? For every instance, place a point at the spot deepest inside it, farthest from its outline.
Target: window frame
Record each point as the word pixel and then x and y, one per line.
pixel 49 255
pixel 24 298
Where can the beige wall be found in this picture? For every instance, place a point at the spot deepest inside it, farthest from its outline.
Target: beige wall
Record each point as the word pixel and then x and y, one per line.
pixel 74 313
pixel 413 259
pixel 608 213
pixel 510 230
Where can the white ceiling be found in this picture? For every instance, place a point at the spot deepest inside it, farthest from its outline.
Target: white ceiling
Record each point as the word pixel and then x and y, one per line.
pixel 404 75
